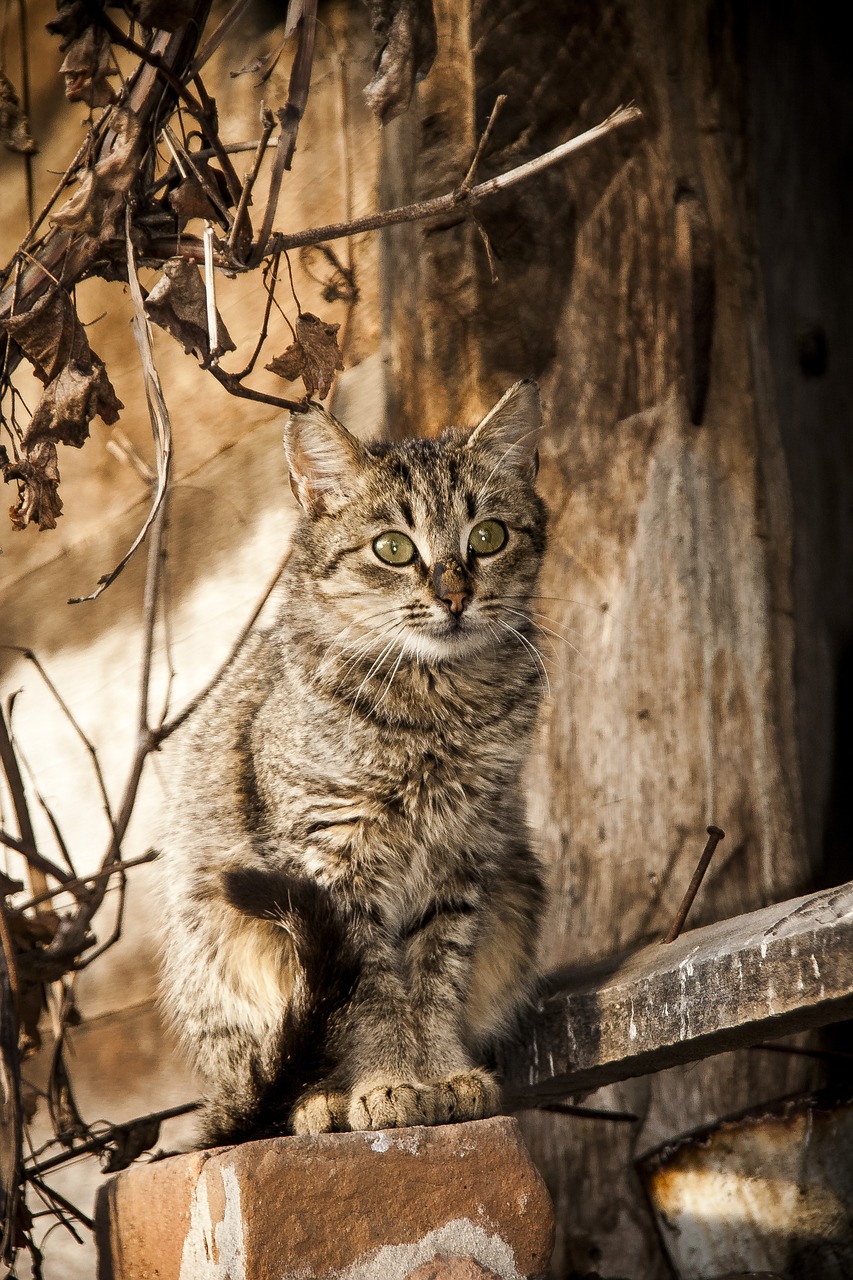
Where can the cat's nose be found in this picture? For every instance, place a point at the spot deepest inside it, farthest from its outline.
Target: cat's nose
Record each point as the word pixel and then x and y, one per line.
pixel 450 585
pixel 456 600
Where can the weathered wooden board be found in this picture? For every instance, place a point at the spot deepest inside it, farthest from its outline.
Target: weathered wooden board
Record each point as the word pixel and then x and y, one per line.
pixel 728 985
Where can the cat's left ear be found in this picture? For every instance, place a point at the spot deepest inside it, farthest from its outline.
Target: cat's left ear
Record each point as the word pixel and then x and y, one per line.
pixel 324 460
pixel 510 431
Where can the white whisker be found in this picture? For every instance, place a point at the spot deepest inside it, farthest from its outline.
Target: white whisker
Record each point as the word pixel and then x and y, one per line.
pixel 537 657
pixel 375 666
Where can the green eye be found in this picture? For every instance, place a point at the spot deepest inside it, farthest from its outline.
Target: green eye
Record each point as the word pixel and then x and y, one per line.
pixel 394 548
pixel 487 537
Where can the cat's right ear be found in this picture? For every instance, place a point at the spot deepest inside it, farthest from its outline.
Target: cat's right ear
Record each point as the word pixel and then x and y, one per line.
pixel 324 460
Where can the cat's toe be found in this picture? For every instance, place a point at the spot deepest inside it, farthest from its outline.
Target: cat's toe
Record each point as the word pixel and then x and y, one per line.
pixel 468 1095
pixel 319 1112
pixel 393 1106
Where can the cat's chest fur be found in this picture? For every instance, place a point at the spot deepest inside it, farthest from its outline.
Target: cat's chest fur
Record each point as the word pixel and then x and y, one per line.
pixel 401 799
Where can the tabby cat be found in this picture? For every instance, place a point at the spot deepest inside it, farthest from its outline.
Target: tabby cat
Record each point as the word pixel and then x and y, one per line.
pixel 352 903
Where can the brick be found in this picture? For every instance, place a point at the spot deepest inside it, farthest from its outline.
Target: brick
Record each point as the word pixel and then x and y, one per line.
pixel 444 1268
pixel 353 1206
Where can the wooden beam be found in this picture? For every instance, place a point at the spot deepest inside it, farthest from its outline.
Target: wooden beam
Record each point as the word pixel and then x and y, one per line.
pixel 729 985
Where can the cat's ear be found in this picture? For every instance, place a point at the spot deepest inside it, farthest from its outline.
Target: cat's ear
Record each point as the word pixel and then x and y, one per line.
pixel 510 431
pixel 324 460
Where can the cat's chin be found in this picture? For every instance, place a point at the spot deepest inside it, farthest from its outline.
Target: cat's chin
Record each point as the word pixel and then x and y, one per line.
pixel 456 645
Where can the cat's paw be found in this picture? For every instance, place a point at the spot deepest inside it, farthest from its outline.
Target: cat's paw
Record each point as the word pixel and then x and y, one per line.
pixel 393 1105
pixel 467 1095
pixel 320 1111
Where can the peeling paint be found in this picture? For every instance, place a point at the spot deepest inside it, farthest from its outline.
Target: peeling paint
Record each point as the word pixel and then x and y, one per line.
pixel 461 1238
pixel 395 1139
pixel 215 1252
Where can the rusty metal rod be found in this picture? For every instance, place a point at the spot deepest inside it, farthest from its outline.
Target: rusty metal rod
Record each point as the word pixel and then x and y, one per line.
pixel 715 835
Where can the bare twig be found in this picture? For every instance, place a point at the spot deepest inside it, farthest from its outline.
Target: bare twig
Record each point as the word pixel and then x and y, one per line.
pixel 104 1139
pixel 467 181
pixel 27 105
pixel 167 729
pixel 82 881
pixel 42 802
pixel 9 760
pixel 26 844
pixel 589 1113
pixel 210 296
pixel 8 949
pixel 715 835
pixel 443 204
pixel 231 382
pixel 66 711
pixel 186 162
pixel 51 1194
pixel 270 281
pixel 241 226
pixel 300 78
pixel 289 118
pixel 161 424
pixel 165 246
pixel 232 17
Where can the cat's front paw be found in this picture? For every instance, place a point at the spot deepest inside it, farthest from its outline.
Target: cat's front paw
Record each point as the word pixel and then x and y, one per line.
pixel 320 1111
pixel 467 1095
pixel 392 1105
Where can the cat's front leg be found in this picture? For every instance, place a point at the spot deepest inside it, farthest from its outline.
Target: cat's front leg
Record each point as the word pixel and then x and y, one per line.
pixel 412 1063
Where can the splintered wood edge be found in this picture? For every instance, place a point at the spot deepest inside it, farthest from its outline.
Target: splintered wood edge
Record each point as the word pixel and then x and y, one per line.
pixel 769 973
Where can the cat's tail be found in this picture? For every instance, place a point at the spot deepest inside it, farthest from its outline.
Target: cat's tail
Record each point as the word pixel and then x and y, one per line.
pixel 325 976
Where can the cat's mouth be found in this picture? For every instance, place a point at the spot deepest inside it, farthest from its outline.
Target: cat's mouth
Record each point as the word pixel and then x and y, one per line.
pixel 448 636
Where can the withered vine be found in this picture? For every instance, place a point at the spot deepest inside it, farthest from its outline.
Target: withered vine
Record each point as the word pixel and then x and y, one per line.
pixel 138 193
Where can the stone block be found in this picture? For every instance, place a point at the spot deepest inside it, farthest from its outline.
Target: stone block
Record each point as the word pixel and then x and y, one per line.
pixel 349 1206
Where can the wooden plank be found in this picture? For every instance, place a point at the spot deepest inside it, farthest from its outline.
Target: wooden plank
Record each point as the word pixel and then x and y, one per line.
pixel 768 973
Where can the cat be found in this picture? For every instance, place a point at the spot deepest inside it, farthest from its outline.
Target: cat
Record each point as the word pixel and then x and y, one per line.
pixel 352 903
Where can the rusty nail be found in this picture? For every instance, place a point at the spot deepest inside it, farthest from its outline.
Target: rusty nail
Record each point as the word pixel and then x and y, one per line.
pixel 715 835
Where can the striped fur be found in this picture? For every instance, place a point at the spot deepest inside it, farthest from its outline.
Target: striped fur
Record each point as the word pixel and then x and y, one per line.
pixel 352 905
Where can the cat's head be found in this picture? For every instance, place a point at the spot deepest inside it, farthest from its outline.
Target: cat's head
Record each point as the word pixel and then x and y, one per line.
pixel 430 547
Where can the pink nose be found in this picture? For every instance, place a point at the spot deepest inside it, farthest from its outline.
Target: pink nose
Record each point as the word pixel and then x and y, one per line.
pixel 455 600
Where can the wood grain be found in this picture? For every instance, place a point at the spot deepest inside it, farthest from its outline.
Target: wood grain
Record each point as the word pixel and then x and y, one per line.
pixel 764 974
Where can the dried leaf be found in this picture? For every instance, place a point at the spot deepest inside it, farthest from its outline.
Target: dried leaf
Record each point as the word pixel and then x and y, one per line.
pixel 190 200
pixel 96 205
pixel 87 68
pixel 405 45
pixel 77 389
pixel 290 363
pixel 37 477
pixel 178 304
pixel 314 356
pixel 72 19
pixel 127 1141
pixel 14 126
pixel 76 395
pixel 50 334
pixel 53 339
pixel 160 15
